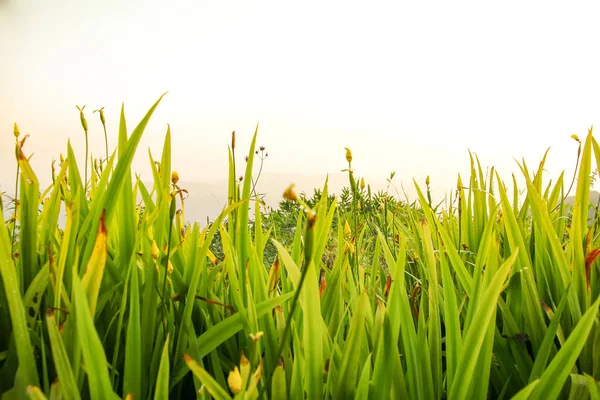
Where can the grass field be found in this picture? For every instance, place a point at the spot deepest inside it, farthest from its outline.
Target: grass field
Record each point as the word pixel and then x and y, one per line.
pixel 360 296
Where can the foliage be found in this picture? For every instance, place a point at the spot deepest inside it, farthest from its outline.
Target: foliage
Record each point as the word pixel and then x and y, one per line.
pixel 356 296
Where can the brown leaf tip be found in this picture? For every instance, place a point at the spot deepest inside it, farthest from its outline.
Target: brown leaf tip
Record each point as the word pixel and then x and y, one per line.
pixel 102 227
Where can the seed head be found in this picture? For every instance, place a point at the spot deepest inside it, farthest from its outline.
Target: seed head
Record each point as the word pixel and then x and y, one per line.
pixel 233 140
pixel 262 148
pixel 348 154
pixel 174 177
pixel 290 193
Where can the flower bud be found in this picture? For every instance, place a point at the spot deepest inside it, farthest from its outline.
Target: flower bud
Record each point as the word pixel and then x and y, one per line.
pixel 16 130
pixel 290 193
pixel 174 177
pixel 427 180
pixel 101 112
pixel 348 154
pixel 347 230
pixel 235 381
pixel 82 118
pixel 362 183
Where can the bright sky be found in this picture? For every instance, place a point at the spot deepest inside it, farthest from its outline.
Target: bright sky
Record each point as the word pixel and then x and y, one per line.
pixel 408 86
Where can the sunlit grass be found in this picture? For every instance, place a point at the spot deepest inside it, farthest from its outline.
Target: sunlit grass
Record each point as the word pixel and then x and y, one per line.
pixel 356 296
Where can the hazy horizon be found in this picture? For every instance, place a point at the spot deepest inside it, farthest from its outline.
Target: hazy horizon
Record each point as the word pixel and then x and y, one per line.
pixel 409 87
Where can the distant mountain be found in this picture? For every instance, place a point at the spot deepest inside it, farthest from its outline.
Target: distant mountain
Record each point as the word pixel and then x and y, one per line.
pixel 209 199
pixel 594 198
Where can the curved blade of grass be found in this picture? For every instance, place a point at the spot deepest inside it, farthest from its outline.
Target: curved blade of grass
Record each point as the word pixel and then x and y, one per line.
pixel 162 380
pixel 348 368
pixel 133 351
pixel 92 278
pixel 29 189
pixel 381 381
pixel 94 357
pixel 475 336
pixel 555 376
pixel 451 322
pixel 61 359
pixel 108 199
pixel 17 310
pixel 278 387
pixel 193 286
pixel 312 336
pixel 208 381
pixel 225 329
pixel 525 393
pixel 548 343
pixel 34 393
pixel 243 245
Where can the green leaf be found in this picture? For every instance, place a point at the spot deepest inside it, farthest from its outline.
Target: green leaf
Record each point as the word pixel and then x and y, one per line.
pixel 555 376
pixel 162 380
pixel 211 385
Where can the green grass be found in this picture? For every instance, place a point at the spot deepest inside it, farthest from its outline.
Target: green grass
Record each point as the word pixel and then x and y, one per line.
pixel 356 296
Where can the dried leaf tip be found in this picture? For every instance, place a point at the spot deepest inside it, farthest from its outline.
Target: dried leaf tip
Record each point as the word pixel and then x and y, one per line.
pixel 290 193
pixel 576 138
pixel 234 380
pixel 102 226
pixel 348 154
pixel 256 336
pixel 187 358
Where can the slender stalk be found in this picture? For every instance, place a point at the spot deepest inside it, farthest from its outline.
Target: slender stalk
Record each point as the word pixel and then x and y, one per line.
pixel 85 129
pixel 18 145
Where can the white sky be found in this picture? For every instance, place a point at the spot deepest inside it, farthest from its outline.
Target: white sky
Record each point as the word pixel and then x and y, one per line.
pixel 408 86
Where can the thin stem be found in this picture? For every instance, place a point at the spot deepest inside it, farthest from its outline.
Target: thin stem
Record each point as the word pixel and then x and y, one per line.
pixel 16 202
pixel 105 141
pixel 86 161
pixel 164 297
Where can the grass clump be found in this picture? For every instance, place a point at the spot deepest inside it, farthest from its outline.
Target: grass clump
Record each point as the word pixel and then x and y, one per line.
pixel 361 296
